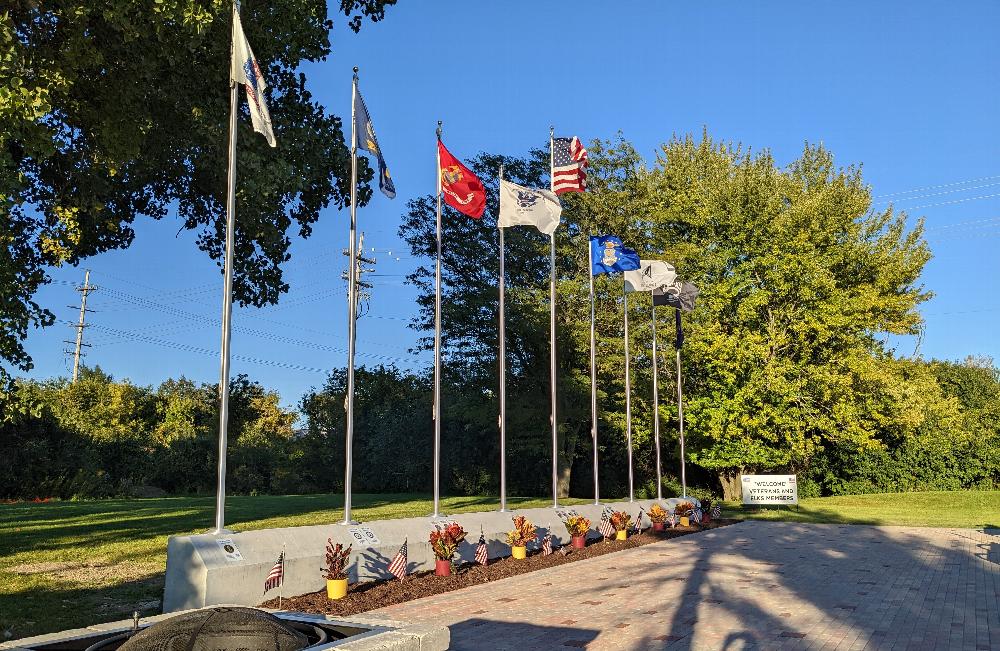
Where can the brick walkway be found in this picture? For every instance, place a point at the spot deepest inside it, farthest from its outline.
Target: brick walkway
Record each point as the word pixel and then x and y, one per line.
pixel 754 585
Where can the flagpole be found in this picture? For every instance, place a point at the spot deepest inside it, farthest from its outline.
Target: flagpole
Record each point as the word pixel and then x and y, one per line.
pixel 628 401
pixel 352 309
pixel 503 379
pixel 281 584
pixel 680 401
pixel 593 370
pixel 227 291
pixel 552 340
pixel 437 345
pixel 656 411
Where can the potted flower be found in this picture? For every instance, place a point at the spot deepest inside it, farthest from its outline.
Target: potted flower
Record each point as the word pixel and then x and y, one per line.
pixel 620 521
pixel 519 537
pixel 577 526
pixel 335 571
pixel 683 511
pixel 706 511
pixel 444 541
pixel 658 516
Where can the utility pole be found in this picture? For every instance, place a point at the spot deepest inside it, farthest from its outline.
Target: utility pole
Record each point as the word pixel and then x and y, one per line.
pixel 84 291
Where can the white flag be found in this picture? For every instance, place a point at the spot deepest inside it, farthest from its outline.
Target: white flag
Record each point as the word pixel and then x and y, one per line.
pixel 651 274
pixel 244 70
pixel 521 206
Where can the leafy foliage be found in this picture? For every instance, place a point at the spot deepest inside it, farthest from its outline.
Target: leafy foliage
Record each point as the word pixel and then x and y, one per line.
pixel 445 540
pixel 523 532
pixel 577 525
pixel 114 110
pixel 336 561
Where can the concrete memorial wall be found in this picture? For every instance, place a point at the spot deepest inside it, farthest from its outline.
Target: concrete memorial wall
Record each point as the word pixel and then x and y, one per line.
pixel 208 569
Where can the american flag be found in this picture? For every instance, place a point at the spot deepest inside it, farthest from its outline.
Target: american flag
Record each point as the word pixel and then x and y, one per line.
pixel 569 162
pixel 398 564
pixel 638 523
pixel 715 512
pixel 276 575
pixel 606 529
pixel 482 551
pixel 547 544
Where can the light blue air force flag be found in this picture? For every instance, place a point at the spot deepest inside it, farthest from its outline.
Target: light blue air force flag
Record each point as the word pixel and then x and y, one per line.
pixel 609 255
pixel 368 142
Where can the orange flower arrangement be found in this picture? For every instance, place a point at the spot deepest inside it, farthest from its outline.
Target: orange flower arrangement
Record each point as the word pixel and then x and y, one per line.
pixel 444 541
pixel 620 520
pixel 577 525
pixel 522 533
pixel 658 514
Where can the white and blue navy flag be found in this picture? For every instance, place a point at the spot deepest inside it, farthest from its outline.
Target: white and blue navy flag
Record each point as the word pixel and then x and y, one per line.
pixel 244 70
pixel 368 142
pixel 521 206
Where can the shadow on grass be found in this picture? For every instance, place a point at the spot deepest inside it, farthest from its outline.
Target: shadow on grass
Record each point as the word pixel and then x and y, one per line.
pixel 55 606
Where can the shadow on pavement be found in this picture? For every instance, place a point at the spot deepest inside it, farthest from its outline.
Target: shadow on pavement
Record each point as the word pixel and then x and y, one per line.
pixel 491 634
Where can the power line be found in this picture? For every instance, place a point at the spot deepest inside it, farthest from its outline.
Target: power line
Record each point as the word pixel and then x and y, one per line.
pixel 938 194
pixel 935 187
pixel 947 203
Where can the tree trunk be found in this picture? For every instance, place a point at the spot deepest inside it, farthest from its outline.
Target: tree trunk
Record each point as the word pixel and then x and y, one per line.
pixel 567 450
pixel 732 488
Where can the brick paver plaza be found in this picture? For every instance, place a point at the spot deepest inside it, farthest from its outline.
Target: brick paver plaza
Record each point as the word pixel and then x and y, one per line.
pixel 754 585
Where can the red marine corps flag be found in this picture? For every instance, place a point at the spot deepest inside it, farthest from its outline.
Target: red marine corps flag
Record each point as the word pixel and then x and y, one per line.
pixel 462 189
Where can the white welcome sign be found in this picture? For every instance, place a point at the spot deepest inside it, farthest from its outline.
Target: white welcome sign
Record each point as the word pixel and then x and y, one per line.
pixel 770 489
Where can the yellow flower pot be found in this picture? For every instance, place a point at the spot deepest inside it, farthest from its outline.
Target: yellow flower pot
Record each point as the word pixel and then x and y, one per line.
pixel 685 521
pixel 621 535
pixel 519 552
pixel 336 588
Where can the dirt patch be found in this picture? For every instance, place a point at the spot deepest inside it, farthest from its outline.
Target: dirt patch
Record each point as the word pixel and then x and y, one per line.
pixel 92 572
pixel 371 595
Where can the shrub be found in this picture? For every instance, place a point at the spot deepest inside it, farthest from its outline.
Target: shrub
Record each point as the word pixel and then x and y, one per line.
pixel 444 541
pixel 336 561
pixel 577 525
pixel 522 533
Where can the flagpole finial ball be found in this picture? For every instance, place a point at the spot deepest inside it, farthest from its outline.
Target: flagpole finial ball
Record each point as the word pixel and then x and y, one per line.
pixel 355 70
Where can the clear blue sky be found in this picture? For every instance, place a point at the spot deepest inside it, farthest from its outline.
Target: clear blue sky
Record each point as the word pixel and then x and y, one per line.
pixel 910 90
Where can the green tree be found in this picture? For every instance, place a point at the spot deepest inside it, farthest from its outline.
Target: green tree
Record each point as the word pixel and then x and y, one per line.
pixel 115 110
pixel 800 279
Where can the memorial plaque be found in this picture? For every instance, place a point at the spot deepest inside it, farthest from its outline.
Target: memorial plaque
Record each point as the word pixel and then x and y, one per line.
pixel 230 550
pixel 370 536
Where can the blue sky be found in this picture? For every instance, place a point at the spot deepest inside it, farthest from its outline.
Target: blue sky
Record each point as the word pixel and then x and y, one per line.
pixel 911 91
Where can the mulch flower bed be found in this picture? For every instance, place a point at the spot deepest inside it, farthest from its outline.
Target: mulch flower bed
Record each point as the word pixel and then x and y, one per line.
pixel 371 595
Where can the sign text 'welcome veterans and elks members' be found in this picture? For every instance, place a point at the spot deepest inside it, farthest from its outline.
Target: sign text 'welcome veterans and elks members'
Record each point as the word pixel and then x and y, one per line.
pixel 770 489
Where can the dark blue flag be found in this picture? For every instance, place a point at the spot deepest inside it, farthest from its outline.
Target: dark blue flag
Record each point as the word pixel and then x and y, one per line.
pixel 609 255
pixel 368 142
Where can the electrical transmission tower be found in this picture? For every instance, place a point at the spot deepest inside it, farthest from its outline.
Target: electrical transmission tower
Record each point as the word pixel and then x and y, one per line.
pixel 77 354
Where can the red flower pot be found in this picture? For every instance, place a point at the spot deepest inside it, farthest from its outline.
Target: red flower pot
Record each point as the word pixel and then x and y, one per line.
pixel 659 526
pixel 579 542
pixel 706 518
pixel 442 568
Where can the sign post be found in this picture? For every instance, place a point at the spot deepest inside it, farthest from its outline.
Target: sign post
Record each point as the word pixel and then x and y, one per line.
pixel 769 489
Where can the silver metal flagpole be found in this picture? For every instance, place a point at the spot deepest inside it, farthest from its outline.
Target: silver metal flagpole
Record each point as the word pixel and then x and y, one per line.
pixel 628 401
pixel 593 370
pixel 552 340
pixel 656 411
pixel 437 345
pixel 680 405
pixel 503 380
pixel 352 308
pixel 227 291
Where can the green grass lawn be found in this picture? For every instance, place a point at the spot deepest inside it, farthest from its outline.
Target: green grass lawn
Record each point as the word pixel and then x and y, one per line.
pixel 85 562
pixel 81 563
pixel 966 509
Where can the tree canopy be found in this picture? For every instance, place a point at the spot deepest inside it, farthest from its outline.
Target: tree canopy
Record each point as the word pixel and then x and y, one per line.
pixel 801 280
pixel 118 110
